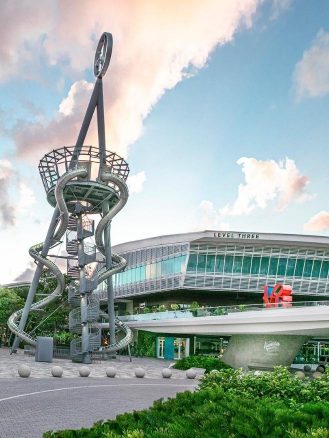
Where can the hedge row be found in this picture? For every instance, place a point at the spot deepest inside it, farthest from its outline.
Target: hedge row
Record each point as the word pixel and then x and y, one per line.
pixel 209 363
pixel 219 412
pixel 279 384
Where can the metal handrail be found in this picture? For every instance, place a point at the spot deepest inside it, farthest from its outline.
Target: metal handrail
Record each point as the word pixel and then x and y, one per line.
pixel 221 310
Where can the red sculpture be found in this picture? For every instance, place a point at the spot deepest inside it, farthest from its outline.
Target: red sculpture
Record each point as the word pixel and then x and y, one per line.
pixel 278 296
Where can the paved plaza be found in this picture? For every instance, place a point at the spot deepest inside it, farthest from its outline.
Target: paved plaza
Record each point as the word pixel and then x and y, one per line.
pixel 125 369
pixel 31 406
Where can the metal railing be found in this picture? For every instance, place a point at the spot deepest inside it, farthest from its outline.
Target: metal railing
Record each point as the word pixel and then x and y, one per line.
pixel 219 310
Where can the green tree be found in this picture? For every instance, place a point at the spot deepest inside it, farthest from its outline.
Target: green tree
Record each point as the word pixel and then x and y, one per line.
pixel 52 320
pixel 10 301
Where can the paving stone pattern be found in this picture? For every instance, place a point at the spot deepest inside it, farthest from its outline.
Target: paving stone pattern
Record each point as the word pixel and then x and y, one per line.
pixel 30 407
pixel 125 369
pixel 33 405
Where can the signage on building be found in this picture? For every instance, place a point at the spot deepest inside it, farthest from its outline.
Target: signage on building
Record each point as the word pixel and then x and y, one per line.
pixel 227 235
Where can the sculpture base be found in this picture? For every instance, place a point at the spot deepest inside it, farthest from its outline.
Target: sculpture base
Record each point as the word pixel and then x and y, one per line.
pixel 262 351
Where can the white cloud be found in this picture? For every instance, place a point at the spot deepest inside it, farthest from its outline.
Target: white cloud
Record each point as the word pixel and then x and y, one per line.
pixel 7 216
pixel 136 182
pixel 26 199
pixel 209 218
pixel 278 7
pixel 267 181
pixel 72 102
pixel 156 45
pixel 311 74
pixel 16 197
pixel 318 222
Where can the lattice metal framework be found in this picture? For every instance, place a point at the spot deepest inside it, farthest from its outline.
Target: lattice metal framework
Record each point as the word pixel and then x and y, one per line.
pixel 57 162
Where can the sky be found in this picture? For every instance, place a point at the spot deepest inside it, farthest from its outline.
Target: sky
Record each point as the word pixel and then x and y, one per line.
pixel 220 108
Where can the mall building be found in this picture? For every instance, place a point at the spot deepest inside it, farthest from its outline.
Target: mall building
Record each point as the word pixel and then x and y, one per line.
pixel 215 268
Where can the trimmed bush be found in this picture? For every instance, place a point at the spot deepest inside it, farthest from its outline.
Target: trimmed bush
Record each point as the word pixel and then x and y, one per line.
pixel 279 384
pixel 213 413
pixel 209 363
pixel 229 404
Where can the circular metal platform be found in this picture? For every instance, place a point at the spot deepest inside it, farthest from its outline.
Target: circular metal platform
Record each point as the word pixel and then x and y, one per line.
pixel 89 191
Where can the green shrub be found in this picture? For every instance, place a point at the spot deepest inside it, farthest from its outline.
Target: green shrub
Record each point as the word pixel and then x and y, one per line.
pixel 208 362
pixel 279 384
pixel 228 404
pixel 213 413
pixel 145 344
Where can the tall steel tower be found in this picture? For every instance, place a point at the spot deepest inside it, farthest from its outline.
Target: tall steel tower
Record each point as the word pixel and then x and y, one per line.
pixel 82 182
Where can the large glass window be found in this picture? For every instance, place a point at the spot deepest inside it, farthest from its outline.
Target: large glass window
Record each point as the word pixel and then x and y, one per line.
pixel 316 269
pixel 237 265
pixel 255 265
pixel 264 264
pixel 246 266
pixel 324 269
pixel 201 263
pixel 178 264
pixel 273 266
pixel 158 269
pixel 143 272
pixel 282 265
pixel 138 273
pixel 133 275
pixel 192 263
pixel 219 263
pixel 228 266
pixel 210 264
pixel 148 271
pixel 308 268
pixel 171 267
pixel 299 267
pixel 291 267
pixel 165 267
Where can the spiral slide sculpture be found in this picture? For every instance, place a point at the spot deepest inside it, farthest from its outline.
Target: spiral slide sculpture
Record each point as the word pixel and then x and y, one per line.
pixel 81 181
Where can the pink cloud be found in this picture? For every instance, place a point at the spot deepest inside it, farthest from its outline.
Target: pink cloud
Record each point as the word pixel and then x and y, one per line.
pixel 266 181
pixel 155 44
pixel 34 139
pixel 318 222
pixel 23 24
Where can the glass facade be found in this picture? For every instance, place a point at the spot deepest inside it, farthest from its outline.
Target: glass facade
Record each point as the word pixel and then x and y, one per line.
pixel 223 265
pixel 248 268
pixel 256 265
pixel 151 271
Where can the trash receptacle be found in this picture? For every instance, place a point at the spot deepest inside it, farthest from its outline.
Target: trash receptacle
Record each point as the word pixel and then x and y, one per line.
pixel 44 349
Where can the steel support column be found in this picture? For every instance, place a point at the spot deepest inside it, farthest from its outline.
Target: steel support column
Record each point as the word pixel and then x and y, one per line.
pixel 83 304
pixel 110 291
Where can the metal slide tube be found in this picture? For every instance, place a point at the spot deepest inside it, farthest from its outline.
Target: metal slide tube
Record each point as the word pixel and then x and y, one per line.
pixel 36 278
pixel 39 252
pixel 109 283
pixel 123 197
pixel 114 262
pixel 83 308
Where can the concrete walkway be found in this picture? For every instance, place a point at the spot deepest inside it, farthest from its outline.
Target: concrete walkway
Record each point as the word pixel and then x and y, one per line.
pixel 125 369
pixel 31 406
